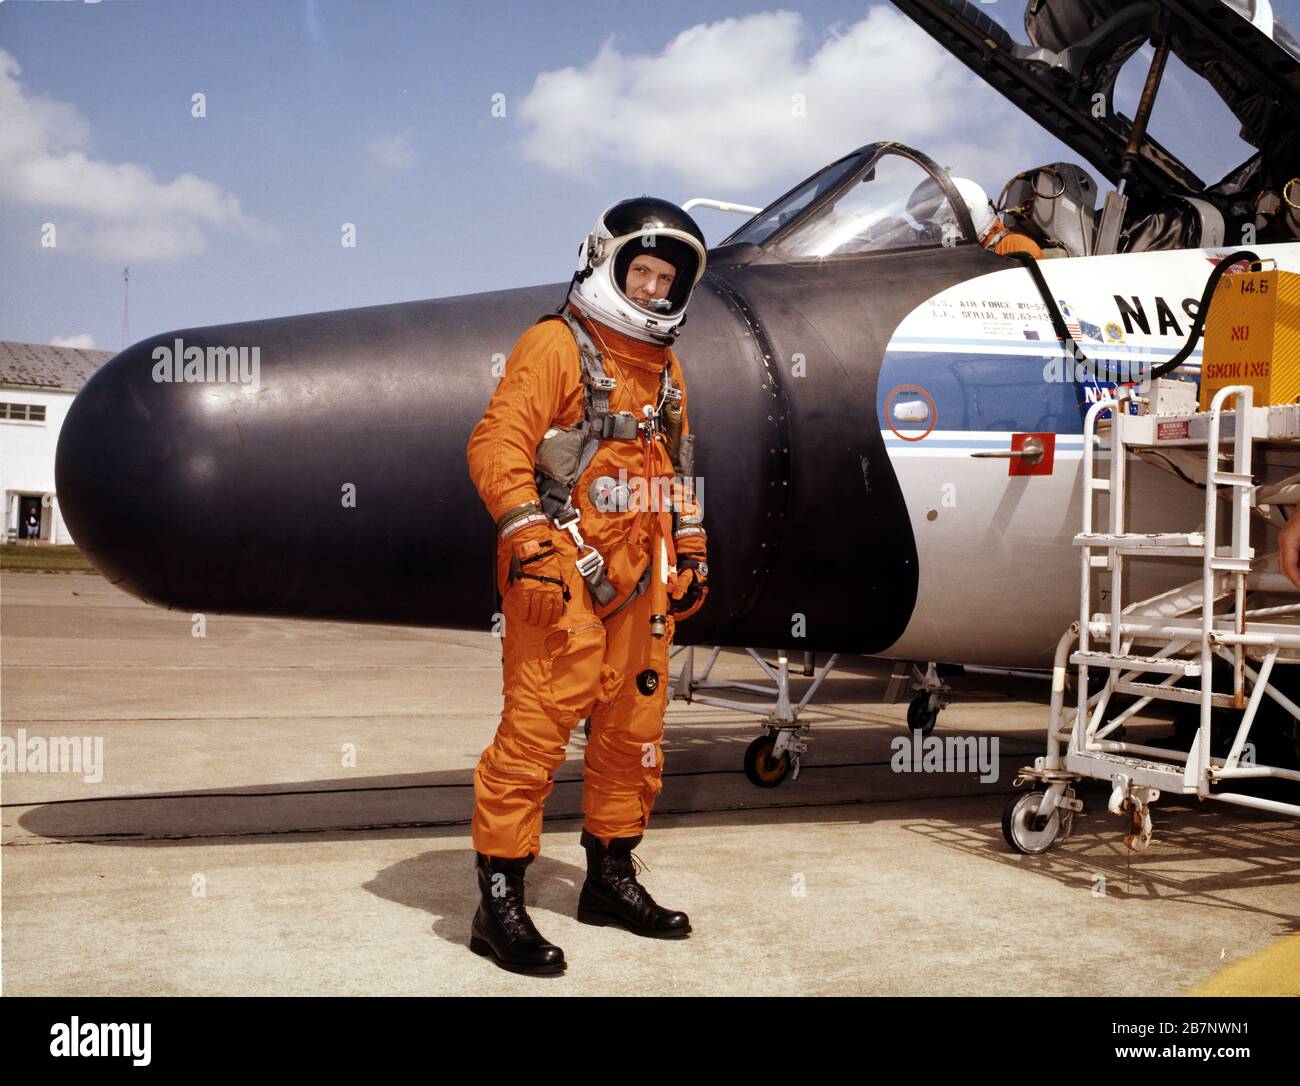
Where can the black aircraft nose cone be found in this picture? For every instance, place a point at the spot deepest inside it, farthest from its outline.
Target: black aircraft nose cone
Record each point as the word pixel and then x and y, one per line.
pixel 172 482
pixel 327 480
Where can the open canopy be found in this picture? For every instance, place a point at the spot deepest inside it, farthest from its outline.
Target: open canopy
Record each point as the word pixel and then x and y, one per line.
pixel 1078 47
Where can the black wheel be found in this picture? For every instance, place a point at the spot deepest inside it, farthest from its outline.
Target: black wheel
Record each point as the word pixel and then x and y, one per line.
pixel 920 716
pixel 761 768
pixel 1023 829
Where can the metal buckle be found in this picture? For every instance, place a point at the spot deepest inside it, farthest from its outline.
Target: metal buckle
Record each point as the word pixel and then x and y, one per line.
pixel 563 519
pixel 590 564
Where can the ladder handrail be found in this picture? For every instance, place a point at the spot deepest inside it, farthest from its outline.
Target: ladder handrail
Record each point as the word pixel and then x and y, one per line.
pixel 1244 397
pixel 1085 589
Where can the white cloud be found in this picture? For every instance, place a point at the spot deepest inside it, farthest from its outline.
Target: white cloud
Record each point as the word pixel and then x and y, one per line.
pixel 393 152
pixel 83 341
pixel 117 210
pixel 718 105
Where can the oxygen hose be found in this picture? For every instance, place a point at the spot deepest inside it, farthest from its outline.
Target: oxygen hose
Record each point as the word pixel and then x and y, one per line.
pixel 1198 322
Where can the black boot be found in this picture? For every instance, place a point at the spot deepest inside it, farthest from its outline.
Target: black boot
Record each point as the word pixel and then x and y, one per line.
pixel 611 894
pixel 502 929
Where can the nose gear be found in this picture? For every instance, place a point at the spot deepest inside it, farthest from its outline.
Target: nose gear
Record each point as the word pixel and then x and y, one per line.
pixel 502 929
pixel 612 894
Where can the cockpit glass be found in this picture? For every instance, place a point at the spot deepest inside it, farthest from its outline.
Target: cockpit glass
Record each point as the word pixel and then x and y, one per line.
pixel 1275 19
pixel 895 205
pixel 758 230
pixel 1189 118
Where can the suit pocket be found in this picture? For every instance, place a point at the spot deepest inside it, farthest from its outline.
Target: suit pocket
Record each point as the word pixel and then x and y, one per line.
pixel 575 652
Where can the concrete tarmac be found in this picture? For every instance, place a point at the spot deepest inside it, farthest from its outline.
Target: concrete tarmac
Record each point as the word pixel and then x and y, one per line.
pixel 283 808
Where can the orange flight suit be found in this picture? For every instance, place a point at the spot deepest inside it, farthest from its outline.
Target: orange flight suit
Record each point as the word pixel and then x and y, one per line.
pixel 554 676
pixel 1013 242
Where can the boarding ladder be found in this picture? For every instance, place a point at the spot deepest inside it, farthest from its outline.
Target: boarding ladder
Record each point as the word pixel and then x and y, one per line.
pixel 1181 632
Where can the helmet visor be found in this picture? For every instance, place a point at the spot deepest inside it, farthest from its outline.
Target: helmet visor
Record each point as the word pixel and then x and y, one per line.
pixel 683 254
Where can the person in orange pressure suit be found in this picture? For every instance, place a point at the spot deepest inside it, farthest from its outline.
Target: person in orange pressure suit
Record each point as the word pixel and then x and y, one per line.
pixel 584 458
pixel 993 234
pixel 929 205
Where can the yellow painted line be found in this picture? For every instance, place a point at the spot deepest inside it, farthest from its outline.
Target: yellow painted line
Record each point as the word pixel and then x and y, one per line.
pixel 1274 971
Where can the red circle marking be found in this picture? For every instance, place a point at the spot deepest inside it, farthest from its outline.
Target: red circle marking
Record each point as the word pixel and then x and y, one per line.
pixel 889 400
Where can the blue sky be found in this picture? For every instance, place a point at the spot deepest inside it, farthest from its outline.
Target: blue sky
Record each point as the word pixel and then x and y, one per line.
pixel 380 114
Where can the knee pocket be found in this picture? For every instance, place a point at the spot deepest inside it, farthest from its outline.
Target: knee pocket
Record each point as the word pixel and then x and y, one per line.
pixel 505 774
pixel 573 668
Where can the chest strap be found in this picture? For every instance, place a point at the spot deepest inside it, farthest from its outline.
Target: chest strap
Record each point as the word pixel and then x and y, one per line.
pixel 557 475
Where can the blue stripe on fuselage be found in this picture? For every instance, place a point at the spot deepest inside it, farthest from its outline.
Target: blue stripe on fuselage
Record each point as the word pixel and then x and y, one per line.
pixel 982 392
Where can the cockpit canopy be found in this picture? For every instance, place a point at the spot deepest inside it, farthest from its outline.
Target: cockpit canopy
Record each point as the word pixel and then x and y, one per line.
pixel 886 196
pixel 1066 78
pixel 883 196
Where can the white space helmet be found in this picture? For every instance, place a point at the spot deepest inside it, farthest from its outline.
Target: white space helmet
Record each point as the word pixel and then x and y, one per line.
pixel 977 200
pixel 643 226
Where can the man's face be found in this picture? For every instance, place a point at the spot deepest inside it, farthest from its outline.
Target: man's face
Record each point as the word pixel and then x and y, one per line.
pixel 648 278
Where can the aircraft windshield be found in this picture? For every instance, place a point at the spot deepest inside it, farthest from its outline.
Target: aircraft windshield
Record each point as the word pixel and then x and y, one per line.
pixel 895 205
pixel 768 222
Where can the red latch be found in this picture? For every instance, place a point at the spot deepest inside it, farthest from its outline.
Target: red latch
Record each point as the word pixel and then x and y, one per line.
pixel 1040 454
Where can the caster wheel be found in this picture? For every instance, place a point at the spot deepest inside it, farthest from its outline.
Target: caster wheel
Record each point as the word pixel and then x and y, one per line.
pixel 1024 830
pixel 761 768
pixel 920 717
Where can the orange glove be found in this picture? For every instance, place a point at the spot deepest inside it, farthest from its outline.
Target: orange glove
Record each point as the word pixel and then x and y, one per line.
pixel 688 589
pixel 536 574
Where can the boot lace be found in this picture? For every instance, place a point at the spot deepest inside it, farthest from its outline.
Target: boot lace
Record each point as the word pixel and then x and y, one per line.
pixel 622 871
pixel 510 909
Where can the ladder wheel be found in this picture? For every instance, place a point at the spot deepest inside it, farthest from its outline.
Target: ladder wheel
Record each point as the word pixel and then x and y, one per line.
pixel 1023 829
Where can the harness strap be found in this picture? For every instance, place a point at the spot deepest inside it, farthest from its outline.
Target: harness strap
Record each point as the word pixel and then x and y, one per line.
pixel 643 582
pixel 989 241
pixel 598 424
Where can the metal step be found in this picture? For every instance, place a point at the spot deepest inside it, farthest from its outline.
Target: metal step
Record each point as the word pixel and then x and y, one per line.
pixel 1167 665
pixel 1233 478
pixel 1191 541
pixel 1232 565
pixel 1172 693
pixel 1142 771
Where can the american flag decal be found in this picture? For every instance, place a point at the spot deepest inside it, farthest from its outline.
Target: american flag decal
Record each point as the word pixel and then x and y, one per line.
pixel 1071 325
